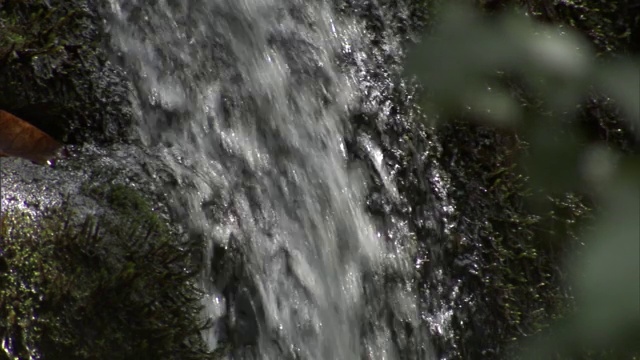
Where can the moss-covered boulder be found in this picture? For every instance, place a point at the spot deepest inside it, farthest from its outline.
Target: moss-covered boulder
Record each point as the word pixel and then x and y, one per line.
pixel 89 247
pixel 54 73
pixel 117 286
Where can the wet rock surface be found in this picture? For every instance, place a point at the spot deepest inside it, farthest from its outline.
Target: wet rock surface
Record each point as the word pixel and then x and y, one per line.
pixel 55 74
pixel 31 187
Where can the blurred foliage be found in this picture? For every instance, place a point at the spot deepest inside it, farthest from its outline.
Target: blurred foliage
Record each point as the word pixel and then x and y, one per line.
pixel 542 124
pixel 118 286
pixel 609 25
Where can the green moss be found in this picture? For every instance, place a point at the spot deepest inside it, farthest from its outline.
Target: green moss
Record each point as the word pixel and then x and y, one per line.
pixel 128 203
pixel 116 287
pixel 31 28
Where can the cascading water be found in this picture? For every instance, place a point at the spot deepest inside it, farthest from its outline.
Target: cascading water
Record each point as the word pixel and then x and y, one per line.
pixel 250 102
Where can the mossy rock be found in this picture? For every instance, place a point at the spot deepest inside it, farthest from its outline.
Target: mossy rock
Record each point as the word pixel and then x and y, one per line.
pixel 128 203
pixel 54 74
pixel 510 263
pixel 114 287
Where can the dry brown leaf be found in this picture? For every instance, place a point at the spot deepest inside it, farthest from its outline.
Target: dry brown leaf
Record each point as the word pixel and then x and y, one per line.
pixel 20 139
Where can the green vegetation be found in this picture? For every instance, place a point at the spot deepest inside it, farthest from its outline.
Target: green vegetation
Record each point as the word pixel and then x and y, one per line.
pixel 119 286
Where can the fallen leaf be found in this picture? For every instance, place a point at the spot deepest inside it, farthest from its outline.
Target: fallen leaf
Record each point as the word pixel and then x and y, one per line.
pixel 18 138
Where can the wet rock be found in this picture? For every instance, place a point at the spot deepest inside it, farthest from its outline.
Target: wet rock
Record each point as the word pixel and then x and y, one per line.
pixel 32 187
pixel 54 73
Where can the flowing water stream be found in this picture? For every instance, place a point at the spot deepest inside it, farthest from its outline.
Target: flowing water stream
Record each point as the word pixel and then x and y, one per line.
pixel 251 103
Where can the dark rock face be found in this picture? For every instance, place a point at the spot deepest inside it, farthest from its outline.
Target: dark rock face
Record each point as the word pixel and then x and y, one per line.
pixel 54 74
pixel 483 257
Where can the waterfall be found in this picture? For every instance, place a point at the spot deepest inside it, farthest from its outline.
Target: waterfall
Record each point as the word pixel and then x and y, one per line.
pixel 250 102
